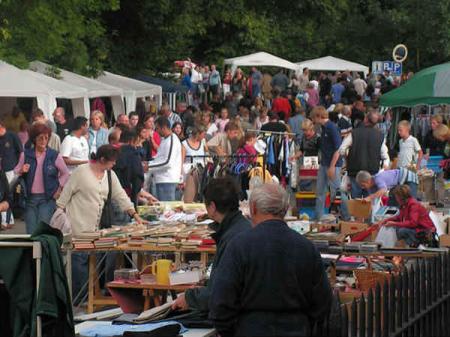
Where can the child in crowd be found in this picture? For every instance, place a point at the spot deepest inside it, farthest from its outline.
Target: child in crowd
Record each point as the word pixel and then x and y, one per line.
pixel 247 148
pixel 223 120
pixel 310 143
pixel 410 153
pixel 309 147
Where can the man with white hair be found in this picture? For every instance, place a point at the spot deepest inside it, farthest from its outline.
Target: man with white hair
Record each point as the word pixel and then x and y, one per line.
pixel 271 281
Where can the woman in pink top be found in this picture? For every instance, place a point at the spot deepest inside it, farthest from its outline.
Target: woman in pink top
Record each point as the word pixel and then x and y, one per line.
pixel 23 133
pixel 313 95
pixel 45 173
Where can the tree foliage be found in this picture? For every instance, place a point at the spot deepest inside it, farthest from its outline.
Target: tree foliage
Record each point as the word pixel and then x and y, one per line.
pixel 141 36
pixel 66 33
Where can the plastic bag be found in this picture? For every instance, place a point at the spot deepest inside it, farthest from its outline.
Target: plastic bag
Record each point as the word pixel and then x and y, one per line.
pixel 387 236
pixel 346 183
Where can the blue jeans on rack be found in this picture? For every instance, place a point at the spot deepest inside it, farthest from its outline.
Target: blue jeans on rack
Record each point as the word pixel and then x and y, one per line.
pixel 322 188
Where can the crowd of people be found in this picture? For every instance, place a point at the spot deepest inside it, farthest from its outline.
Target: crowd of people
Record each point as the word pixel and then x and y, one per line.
pixel 81 166
pixel 334 117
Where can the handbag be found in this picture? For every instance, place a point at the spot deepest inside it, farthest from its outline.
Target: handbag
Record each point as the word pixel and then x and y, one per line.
pixel 107 212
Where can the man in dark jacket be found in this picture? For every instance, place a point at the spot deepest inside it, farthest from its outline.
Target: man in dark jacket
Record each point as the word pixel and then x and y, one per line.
pixel 271 281
pixel 222 205
pixel 365 150
pixel 128 166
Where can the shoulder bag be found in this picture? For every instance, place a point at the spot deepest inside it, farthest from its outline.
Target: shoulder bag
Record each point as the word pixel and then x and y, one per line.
pixel 107 212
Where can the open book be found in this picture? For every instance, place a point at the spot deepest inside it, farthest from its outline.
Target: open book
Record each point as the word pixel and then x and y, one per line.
pixel 154 314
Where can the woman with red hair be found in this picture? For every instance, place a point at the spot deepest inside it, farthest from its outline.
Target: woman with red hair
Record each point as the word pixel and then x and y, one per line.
pixel 45 174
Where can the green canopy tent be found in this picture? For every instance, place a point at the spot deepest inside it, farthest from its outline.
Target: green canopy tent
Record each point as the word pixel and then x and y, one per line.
pixel 430 86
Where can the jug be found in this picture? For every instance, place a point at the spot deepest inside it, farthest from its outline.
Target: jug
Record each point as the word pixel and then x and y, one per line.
pixel 162 268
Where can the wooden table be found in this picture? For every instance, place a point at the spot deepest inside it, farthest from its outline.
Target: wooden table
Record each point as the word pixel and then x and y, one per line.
pixel 95 299
pixel 152 292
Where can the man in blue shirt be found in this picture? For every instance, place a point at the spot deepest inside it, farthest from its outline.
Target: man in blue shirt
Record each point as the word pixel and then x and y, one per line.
pixel 256 82
pixel 336 91
pixel 295 123
pixel 330 166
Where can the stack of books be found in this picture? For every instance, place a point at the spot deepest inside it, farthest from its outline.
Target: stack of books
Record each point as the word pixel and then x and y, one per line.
pixel 106 242
pixel 85 240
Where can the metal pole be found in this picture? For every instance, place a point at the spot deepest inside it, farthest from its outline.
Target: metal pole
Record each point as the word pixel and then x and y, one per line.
pixel 37 255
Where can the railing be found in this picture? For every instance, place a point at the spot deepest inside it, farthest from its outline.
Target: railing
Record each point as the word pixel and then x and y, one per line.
pixel 414 303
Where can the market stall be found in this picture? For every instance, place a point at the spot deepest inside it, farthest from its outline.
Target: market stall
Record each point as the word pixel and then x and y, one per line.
pixel 430 86
pixel 330 63
pixel 171 92
pixel 95 89
pixel 258 60
pixel 15 83
pixel 132 89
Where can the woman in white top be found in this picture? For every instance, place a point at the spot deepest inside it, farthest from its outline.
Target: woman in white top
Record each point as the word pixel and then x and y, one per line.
pixel 210 127
pixel 194 146
pixel 83 198
pixel 84 195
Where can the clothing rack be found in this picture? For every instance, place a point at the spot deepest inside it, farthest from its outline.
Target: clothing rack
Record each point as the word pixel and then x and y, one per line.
pixel 213 156
pixel 272 132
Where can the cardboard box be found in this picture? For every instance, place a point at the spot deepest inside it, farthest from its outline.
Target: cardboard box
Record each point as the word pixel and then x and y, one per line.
pixel 444 240
pixel 187 277
pixel 349 227
pixel 318 227
pixel 359 208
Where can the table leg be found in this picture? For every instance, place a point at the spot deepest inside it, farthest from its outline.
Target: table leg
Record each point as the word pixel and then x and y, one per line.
pixel 146 299
pixel 91 283
pixel 69 269
pixel 156 298
pixel 204 259
pixel 177 259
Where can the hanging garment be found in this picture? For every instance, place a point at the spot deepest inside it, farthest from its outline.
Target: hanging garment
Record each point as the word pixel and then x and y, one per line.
pixel 270 153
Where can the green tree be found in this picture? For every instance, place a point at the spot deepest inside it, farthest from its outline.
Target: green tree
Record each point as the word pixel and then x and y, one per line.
pixel 65 33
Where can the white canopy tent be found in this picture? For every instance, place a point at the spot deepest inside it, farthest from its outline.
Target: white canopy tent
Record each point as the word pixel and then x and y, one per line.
pixel 15 82
pixel 260 59
pixel 94 88
pixel 330 63
pixel 132 89
pixel 76 94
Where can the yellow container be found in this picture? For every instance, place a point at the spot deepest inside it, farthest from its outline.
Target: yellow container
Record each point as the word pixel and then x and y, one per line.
pixel 162 269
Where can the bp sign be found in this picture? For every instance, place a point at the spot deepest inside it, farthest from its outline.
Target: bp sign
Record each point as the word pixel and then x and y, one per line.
pixel 394 68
